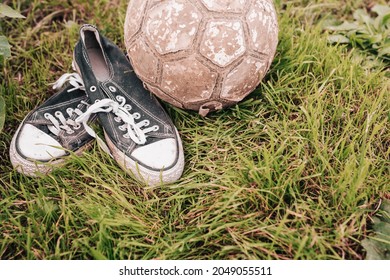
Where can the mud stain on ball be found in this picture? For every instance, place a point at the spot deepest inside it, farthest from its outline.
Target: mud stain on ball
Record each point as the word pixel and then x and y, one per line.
pixel 201 55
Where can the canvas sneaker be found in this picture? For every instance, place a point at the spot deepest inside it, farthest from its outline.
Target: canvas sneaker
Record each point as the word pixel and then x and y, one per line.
pixel 139 134
pixel 49 133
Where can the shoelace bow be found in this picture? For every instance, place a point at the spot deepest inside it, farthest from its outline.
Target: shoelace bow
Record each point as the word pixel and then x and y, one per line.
pixel 59 122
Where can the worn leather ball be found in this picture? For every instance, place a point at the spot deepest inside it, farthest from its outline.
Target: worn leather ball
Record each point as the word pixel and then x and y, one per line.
pixel 202 55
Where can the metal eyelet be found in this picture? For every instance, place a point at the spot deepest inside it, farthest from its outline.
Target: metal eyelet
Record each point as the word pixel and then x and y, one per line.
pixel 47 116
pixel 57 113
pixel 122 128
pixel 112 89
pixel 92 88
pixel 146 122
pixel 70 131
pixel 136 116
pixel 120 98
pixel 77 126
pixel 156 128
pixel 117 119
pixel 69 111
pixel 126 136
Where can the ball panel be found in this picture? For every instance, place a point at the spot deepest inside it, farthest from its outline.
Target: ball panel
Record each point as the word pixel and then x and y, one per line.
pixel 172 25
pixel 134 15
pixel 164 96
pixel 243 79
pixel 144 62
pixel 188 80
pixel 263 27
pixel 223 41
pixel 234 6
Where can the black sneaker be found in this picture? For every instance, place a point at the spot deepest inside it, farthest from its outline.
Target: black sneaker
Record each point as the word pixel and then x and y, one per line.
pixel 138 132
pixel 49 133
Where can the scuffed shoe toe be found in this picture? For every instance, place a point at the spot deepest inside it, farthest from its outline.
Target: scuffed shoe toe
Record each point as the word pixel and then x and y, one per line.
pixel 34 144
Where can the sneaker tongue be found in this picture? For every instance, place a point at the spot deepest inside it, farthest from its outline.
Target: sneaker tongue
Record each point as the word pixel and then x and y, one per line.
pixel 153 139
pixel 82 107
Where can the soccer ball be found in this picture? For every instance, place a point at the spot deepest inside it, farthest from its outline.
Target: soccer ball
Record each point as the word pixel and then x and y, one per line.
pixel 202 55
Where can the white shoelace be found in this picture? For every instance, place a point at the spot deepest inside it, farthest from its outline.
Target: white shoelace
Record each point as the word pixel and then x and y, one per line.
pixel 121 110
pixel 59 121
pixel 73 79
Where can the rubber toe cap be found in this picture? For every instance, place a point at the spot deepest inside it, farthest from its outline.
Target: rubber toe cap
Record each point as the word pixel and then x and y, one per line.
pixel 159 155
pixel 33 143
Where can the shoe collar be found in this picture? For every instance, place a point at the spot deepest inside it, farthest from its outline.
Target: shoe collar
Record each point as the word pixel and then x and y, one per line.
pixel 92 28
pixel 89 27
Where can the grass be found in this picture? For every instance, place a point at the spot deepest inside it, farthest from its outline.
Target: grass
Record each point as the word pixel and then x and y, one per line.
pixel 295 171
